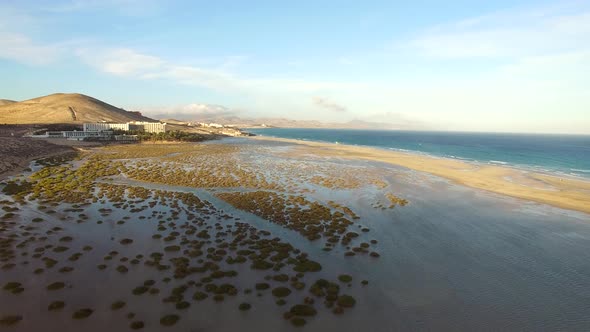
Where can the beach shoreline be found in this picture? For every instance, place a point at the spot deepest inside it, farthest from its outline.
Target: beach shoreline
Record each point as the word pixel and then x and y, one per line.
pixel 402 249
pixel 558 191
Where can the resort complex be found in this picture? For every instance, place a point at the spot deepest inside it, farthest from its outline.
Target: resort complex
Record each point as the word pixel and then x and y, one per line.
pixel 105 131
pixel 148 127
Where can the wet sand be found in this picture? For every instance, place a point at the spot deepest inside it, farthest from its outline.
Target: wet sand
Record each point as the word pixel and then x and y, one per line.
pixel 453 258
pixel 564 192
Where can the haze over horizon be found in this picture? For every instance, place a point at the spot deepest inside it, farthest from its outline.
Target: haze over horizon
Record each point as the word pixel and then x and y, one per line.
pixel 506 66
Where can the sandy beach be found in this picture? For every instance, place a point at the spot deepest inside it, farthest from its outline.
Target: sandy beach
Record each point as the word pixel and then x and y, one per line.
pixel 563 192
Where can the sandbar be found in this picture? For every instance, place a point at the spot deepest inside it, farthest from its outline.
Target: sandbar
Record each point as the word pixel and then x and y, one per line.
pixel 563 192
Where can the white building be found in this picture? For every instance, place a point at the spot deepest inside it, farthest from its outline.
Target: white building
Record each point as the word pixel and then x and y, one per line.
pixel 77 135
pixel 102 126
pixel 149 127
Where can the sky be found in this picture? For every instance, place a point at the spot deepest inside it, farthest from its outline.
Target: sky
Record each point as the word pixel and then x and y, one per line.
pixel 492 66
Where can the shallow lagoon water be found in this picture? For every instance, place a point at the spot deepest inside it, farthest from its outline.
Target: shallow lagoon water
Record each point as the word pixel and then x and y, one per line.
pixel 454 259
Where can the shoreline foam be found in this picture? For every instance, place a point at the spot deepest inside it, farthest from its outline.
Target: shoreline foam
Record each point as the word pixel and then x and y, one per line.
pixel 559 191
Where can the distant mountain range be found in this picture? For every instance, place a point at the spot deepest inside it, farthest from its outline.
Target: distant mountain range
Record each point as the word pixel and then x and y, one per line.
pixel 75 108
pixel 71 108
pixel 289 123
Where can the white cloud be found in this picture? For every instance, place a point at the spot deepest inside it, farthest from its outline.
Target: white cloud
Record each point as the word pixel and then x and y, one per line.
pixel 509 34
pixel 20 48
pixel 121 61
pixel 508 99
pixel 193 111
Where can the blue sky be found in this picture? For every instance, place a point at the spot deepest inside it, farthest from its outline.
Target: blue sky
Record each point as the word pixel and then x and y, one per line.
pixel 515 66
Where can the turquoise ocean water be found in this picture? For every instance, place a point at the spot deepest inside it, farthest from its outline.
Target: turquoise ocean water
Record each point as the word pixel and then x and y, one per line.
pixel 561 154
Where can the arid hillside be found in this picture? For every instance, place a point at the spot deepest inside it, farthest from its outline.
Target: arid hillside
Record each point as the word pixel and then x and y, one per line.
pixel 6 102
pixel 64 108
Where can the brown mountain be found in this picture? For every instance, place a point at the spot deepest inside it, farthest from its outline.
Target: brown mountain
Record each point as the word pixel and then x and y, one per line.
pixel 64 108
pixel 6 102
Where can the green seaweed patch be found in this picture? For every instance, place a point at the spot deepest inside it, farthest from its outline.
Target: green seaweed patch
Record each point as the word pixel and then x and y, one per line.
pixel 82 313
pixel 262 286
pixel 126 241
pixel 245 306
pixel 17 290
pixel 307 266
pixel 66 269
pixel 137 325
pixel 11 285
pixel 75 257
pixel 172 248
pixel 303 310
pixel 345 278
pixel 117 305
pixel 56 286
pixel 139 290
pixel 281 278
pixel 182 305
pixel 10 320
pixel 122 269
pixel 200 296
pixel 169 320
pixel 281 291
pixel 49 263
pixel 261 264
pixel 298 321
pixel 346 301
pixel 56 305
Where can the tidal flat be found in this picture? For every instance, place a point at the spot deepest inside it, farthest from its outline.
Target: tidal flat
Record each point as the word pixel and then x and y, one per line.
pixel 247 235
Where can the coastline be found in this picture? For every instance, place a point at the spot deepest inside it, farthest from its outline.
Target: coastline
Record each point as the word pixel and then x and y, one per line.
pixel 562 192
pixel 414 251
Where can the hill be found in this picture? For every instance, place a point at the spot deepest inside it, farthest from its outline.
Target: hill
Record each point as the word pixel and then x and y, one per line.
pixel 64 108
pixel 6 102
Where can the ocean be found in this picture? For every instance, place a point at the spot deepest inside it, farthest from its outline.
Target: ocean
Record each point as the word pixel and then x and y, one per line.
pixel 561 154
